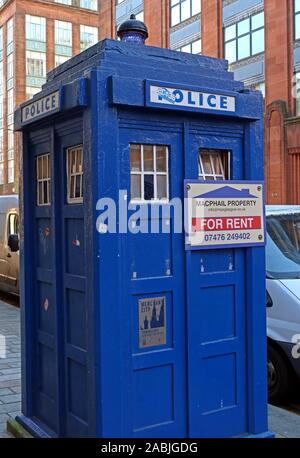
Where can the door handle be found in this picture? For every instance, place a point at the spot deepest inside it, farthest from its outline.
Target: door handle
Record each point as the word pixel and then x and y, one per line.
pixel 8 255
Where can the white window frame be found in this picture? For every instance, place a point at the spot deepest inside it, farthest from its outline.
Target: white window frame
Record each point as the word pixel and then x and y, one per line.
pixel 69 151
pixel 153 173
pixel 43 179
pixel 213 176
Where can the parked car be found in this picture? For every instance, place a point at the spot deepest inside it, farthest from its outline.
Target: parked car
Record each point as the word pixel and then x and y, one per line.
pixel 9 244
pixel 283 299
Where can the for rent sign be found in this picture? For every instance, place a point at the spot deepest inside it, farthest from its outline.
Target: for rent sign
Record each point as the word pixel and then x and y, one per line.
pixel 223 214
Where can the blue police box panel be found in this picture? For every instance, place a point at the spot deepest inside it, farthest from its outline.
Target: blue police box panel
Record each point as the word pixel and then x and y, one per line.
pixel 126 332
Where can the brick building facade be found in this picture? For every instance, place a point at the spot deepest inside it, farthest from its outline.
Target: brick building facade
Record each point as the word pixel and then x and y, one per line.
pixel 260 38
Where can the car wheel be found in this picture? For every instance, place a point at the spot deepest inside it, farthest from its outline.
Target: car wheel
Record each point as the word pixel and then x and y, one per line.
pixel 278 376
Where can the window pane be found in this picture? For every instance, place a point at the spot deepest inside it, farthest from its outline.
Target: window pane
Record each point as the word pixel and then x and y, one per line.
pixel 162 187
pixel 148 187
pixel 230 51
pixel 258 41
pixel 196 47
pixel 244 47
pixel 217 160
pixel 175 15
pixel 230 32
pixel 161 156
pixel 196 7
pixel 207 169
pixel 136 187
pixel 258 20
pixel 135 158
pixel 78 186
pixel 244 27
pixel 297 26
pixel 186 48
pixel 185 10
pixel 148 158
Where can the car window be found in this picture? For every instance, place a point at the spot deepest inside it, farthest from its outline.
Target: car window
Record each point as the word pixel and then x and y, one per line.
pixel 283 246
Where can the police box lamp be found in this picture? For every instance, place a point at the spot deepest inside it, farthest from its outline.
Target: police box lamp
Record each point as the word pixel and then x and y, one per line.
pixel 133 31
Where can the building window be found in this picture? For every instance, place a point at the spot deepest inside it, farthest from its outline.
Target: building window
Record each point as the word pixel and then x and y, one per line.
pixel 1 173
pixel 297 19
pixel 89 4
pixel 11 171
pixel 149 172
pixel 60 60
pixel 181 10
pixel 35 64
pixel 75 174
pixel 43 179
pixel 63 33
pixel 213 165
pixel 64 2
pixel 31 91
pixel 245 38
pixel 194 47
pixel 88 36
pixel 35 28
pixel 10 36
pixel 63 41
pixel 35 54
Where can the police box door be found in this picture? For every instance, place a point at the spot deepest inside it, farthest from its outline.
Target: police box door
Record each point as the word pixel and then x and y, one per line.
pixel 216 308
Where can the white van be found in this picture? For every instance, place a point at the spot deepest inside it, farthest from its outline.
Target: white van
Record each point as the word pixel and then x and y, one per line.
pixel 283 299
pixel 9 244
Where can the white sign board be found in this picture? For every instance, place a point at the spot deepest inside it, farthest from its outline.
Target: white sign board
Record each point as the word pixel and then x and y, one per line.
pixel 41 107
pixel 224 214
pixel 191 99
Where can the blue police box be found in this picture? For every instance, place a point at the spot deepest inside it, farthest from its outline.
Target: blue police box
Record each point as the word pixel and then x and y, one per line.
pixel 128 332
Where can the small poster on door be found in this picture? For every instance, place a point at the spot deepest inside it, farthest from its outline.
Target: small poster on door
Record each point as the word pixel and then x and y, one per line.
pixel 152 322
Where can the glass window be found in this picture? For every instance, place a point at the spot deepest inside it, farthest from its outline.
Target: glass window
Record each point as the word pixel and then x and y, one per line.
pixel 75 174
pixel 194 47
pixel 283 246
pixel 297 19
pixel 213 165
pixel 11 171
pixel 88 4
pixel 181 10
pixel 88 36
pixel 244 38
pixel 1 172
pixel 63 33
pixel 35 28
pixel 297 77
pixel 149 172
pixel 35 64
pixel 43 167
pixel 60 60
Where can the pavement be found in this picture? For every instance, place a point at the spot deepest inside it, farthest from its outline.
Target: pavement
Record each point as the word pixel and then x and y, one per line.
pixel 283 423
pixel 10 365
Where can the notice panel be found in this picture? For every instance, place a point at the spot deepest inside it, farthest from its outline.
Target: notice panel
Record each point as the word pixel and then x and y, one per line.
pixel 224 214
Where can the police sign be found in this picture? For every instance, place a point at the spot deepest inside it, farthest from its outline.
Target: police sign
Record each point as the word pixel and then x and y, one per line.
pixel 41 107
pixel 224 214
pixel 190 99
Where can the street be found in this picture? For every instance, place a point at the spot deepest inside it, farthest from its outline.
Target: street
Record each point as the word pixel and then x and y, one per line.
pixel 10 364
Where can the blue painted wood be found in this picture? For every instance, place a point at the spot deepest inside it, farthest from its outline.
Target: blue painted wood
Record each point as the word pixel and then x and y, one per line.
pixel 84 371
